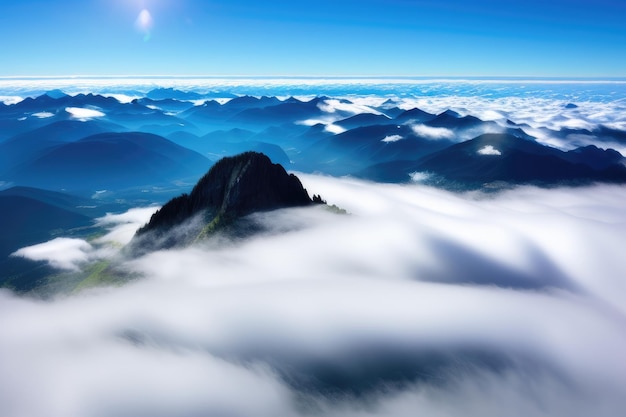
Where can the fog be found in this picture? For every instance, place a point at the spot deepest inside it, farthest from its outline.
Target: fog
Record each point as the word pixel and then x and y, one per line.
pixel 73 253
pixel 417 302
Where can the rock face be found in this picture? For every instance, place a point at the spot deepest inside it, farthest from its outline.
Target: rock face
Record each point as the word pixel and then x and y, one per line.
pixel 233 188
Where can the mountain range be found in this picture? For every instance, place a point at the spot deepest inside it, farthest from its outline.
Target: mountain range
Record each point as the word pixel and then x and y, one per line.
pixel 48 140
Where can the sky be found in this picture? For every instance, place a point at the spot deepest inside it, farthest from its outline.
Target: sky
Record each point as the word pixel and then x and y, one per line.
pixel 557 38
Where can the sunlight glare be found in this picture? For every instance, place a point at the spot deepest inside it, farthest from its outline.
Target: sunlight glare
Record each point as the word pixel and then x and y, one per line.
pixel 144 23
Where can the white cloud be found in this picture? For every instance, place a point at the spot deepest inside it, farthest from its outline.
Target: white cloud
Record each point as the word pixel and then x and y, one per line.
pixel 488 150
pixel 419 176
pixel 122 98
pixel 410 273
pixel 84 114
pixel 43 115
pixel 122 227
pixel 71 254
pixel 62 253
pixel 433 133
pixel 9 100
pixel 328 122
pixel 335 105
pixel 313 122
pixel 392 138
pixel 335 129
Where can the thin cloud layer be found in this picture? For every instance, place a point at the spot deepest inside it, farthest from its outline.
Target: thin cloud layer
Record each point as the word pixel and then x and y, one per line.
pixel 122 227
pixel 72 253
pixel 433 133
pixel 62 253
pixel 83 113
pixel 489 150
pixel 419 301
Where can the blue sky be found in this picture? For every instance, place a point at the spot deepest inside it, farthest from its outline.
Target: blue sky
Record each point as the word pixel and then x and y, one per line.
pixel 313 38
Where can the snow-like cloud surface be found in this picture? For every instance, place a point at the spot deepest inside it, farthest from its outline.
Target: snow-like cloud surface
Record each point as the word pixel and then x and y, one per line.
pixel 428 302
pixel 334 105
pixel 62 253
pixel 84 114
pixel 43 115
pixel 489 150
pixel 122 227
pixel 392 138
pixel 434 133
pixel 334 129
pixel 71 254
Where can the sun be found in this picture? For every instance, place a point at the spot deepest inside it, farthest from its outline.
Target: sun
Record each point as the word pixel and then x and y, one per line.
pixel 144 23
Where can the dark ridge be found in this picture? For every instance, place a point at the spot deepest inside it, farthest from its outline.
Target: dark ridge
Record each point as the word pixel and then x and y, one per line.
pixel 234 187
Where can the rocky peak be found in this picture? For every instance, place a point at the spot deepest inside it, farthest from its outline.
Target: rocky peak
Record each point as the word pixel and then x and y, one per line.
pixel 234 187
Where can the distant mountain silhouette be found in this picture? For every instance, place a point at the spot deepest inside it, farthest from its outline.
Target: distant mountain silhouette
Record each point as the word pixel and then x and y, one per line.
pixel 111 161
pixel 594 157
pixel 221 143
pixel 355 149
pixel 167 104
pixel 30 145
pixel 175 94
pixel 171 93
pixel 364 119
pixel 414 115
pixel 452 120
pixel 492 158
pixel 233 188
pixel 42 141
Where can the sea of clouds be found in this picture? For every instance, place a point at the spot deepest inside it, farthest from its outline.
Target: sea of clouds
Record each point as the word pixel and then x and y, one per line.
pixel 417 302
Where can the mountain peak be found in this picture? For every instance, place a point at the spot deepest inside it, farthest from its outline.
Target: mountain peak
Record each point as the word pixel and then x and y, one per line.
pixel 233 188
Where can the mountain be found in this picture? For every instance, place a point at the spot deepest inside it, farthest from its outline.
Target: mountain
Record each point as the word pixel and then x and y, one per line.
pixel 166 104
pixel 364 119
pixel 414 116
pixel 172 93
pixel 111 161
pixel 233 188
pixel 33 144
pixel 278 113
pixel 452 120
pixel 492 158
pixel 595 157
pixel 355 149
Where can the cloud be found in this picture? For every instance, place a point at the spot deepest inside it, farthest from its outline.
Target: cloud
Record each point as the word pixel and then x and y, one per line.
pixel 71 254
pixel 83 114
pixel 62 253
pixel 335 105
pixel 488 150
pixel 334 129
pixel 419 301
pixel 392 138
pixel 43 115
pixel 419 176
pixel 9 100
pixel 122 227
pixel 329 124
pixel 433 133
